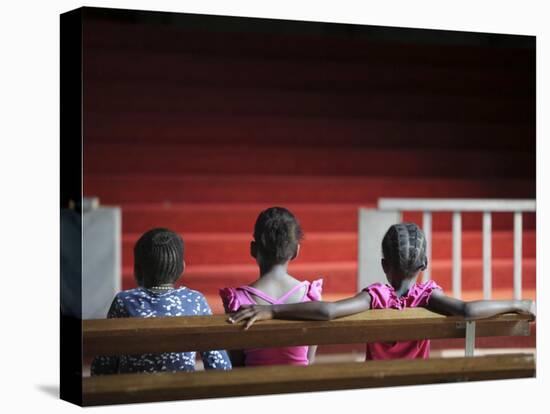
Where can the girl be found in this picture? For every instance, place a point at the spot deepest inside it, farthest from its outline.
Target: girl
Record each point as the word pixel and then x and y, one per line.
pixel 277 236
pixel 404 257
pixel 158 264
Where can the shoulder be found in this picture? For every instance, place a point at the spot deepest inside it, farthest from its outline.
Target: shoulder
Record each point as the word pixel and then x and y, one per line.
pixel 230 298
pixel 120 304
pixel 381 295
pixel 227 294
pixel 378 288
pixel 422 292
pixel 133 295
pixel 193 295
pixel 193 301
pixel 428 286
pixel 126 295
pixel 315 289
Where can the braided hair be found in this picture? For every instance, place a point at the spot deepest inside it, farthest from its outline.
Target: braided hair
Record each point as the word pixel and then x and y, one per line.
pixel 158 257
pixel 277 234
pixel 404 247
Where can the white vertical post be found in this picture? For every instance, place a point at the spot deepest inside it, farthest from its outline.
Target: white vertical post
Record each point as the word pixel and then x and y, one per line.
pixel 427 227
pixel 373 224
pixel 487 276
pixel 457 254
pixel 518 233
pixel 470 338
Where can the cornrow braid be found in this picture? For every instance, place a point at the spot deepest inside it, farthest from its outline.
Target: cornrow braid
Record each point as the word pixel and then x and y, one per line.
pixel 404 246
pixel 158 257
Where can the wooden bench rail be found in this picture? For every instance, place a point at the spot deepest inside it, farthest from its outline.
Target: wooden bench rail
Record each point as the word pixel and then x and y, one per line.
pixel 196 333
pixel 133 388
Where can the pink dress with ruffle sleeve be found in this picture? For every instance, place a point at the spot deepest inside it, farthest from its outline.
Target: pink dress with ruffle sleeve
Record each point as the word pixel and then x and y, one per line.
pixel 234 298
pixel 383 296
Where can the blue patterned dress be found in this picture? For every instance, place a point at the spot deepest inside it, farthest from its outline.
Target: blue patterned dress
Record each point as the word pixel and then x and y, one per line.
pixel 143 303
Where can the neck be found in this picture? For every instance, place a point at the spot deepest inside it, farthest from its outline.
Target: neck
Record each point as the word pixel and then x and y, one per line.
pixel 402 287
pixel 274 270
pixel 161 285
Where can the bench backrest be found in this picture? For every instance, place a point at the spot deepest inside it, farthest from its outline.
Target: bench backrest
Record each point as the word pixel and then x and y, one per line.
pixel 200 333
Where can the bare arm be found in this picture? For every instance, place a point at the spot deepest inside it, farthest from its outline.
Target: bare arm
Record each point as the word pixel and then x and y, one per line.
pixel 477 309
pixel 317 310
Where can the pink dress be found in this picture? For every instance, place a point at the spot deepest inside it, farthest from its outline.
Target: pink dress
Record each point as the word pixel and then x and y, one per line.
pixel 383 296
pixel 234 298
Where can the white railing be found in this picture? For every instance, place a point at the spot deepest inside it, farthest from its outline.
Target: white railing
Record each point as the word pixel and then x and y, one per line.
pixel 458 206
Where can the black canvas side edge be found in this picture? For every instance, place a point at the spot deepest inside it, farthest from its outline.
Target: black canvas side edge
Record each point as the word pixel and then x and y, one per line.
pixel 71 192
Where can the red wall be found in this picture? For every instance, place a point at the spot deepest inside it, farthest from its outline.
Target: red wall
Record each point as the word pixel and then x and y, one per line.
pixel 198 128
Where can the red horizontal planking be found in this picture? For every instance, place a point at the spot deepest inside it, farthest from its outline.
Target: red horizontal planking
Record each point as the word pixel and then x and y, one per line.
pixel 233 248
pixel 240 217
pixel 500 221
pixel 472 221
pixel 502 245
pixel 184 159
pixel 472 274
pixel 187 101
pixel 118 189
pixel 341 277
pixel 212 131
pixel 233 217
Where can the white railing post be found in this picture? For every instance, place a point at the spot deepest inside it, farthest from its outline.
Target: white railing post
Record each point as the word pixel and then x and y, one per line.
pixel 518 232
pixel 373 224
pixel 487 256
pixel 427 227
pixel 457 254
pixel 470 341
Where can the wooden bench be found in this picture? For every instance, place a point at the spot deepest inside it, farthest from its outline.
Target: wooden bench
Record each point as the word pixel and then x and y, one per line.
pixel 137 335
pixel 132 388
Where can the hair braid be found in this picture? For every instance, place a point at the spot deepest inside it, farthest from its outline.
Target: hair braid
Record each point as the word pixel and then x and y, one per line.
pixel 158 257
pixel 404 246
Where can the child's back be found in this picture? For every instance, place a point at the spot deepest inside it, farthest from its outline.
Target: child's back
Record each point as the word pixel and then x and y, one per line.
pixel 144 303
pixel 277 234
pixel 158 265
pixel 384 296
pixel 273 291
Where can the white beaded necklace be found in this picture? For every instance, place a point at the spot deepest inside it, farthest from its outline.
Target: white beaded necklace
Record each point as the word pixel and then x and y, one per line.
pixel 161 287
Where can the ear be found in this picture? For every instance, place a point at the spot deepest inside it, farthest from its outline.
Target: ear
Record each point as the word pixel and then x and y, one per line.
pixel 297 252
pixel 385 266
pixel 253 249
pixel 425 264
